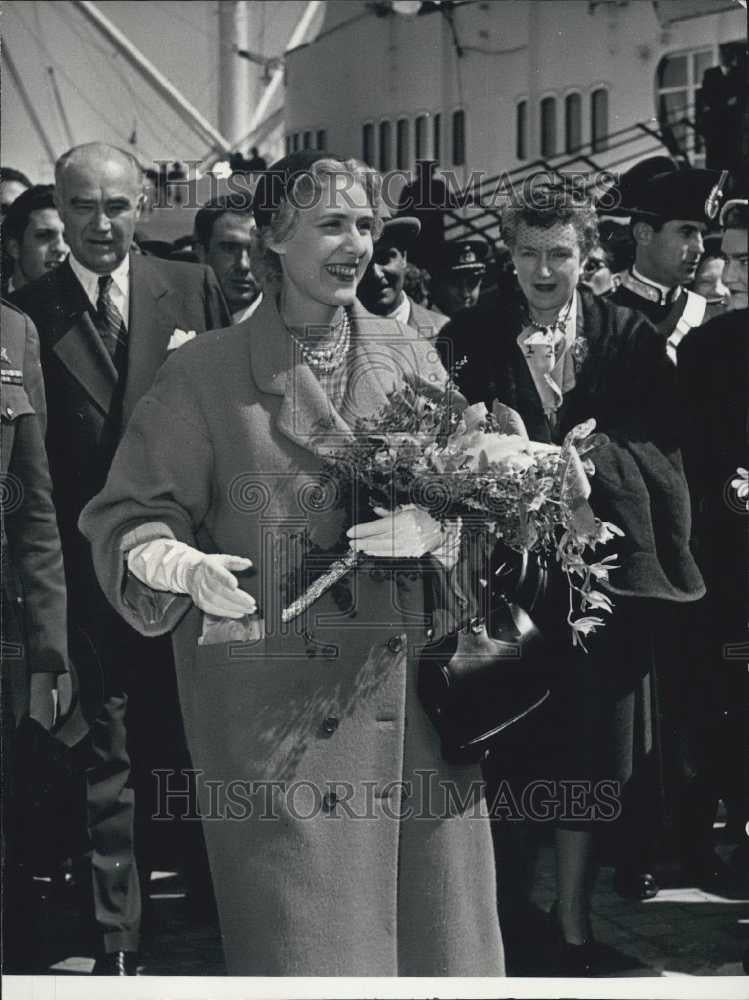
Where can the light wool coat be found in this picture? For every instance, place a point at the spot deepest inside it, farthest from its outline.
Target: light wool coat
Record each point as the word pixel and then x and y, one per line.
pixel 364 854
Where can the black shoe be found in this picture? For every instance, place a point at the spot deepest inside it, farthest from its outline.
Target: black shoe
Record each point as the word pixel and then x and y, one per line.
pixel 577 961
pixel 632 884
pixel 573 961
pixel 116 963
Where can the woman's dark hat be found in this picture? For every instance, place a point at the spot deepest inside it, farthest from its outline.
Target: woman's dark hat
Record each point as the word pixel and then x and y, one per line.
pixel 275 183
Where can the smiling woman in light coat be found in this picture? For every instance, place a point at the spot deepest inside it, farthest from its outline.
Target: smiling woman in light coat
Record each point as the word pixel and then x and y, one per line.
pixel 340 843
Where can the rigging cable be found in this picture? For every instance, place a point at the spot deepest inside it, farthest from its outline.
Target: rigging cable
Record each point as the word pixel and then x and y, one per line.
pixel 113 63
pixel 64 73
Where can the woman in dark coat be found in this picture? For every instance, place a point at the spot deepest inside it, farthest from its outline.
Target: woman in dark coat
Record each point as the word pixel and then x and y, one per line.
pixel 327 856
pixel 559 356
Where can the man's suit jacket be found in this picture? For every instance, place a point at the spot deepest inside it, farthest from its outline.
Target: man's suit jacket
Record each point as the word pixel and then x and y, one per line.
pixel 33 620
pixel 718 88
pixel 721 121
pixel 89 405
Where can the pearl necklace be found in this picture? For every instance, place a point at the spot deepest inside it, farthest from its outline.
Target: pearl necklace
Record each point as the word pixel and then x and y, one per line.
pixel 324 360
pixel 560 323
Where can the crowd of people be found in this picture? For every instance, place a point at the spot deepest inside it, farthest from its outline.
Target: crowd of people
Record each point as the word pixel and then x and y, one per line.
pixel 167 412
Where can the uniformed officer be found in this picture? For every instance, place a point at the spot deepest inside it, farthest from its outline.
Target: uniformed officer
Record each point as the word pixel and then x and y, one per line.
pixel 460 269
pixel 669 214
pixel 34 646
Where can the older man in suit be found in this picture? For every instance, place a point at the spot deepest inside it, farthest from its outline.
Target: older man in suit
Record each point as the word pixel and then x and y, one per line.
pixel 107 319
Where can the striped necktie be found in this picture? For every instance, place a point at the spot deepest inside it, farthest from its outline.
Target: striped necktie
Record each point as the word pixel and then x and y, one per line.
pixel 109 321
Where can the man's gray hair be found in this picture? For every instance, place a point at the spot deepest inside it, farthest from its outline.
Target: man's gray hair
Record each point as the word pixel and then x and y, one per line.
pixel 100 150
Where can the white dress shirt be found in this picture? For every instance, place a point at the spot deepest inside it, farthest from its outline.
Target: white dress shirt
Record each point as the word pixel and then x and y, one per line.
pixel 402 311
pixel 119 292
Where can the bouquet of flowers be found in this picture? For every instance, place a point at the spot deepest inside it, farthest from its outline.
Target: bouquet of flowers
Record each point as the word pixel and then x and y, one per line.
pixel 478 471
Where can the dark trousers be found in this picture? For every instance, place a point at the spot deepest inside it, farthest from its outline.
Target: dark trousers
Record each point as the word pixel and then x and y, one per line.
pixel 110 805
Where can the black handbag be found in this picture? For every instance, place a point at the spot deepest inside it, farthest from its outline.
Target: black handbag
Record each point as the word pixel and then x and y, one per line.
pixel 478 680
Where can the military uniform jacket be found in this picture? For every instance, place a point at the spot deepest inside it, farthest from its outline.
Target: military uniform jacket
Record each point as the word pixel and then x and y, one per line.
pixel 34 610
pixel 673 320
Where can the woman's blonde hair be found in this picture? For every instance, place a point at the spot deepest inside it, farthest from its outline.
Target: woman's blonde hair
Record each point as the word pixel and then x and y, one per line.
pixel 308 186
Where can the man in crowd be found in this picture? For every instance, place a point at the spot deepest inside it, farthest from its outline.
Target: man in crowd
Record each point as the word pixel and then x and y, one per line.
pixel 709 280
pixel 223 236
pixel 12 183
pixel 32 236
pixel 671 209
pixel 670 212
pixel 381 289
pixel 106 320
pixel 35 650
pixel 734 249
pixel 714 377
pixel 456 281
pixel 596 271
pixel 723 99
pixel 256 162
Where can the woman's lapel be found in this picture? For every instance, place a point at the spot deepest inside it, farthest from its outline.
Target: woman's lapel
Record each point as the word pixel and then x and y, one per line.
pixel 306 415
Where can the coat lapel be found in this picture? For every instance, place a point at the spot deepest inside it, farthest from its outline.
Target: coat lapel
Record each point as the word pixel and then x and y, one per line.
pixel 150 326
pixel 79 347
pixel 521 393
pixel 306 415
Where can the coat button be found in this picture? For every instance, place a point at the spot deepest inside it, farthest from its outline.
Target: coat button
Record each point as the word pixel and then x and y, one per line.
pixel 395 644
pixel 329 801
pixel 330 725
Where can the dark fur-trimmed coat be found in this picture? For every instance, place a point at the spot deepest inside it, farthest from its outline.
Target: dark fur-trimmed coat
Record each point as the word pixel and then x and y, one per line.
pixel 626 382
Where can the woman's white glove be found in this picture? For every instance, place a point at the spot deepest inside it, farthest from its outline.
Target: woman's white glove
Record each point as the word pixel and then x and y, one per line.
pixel 166 564
pixel 406 533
